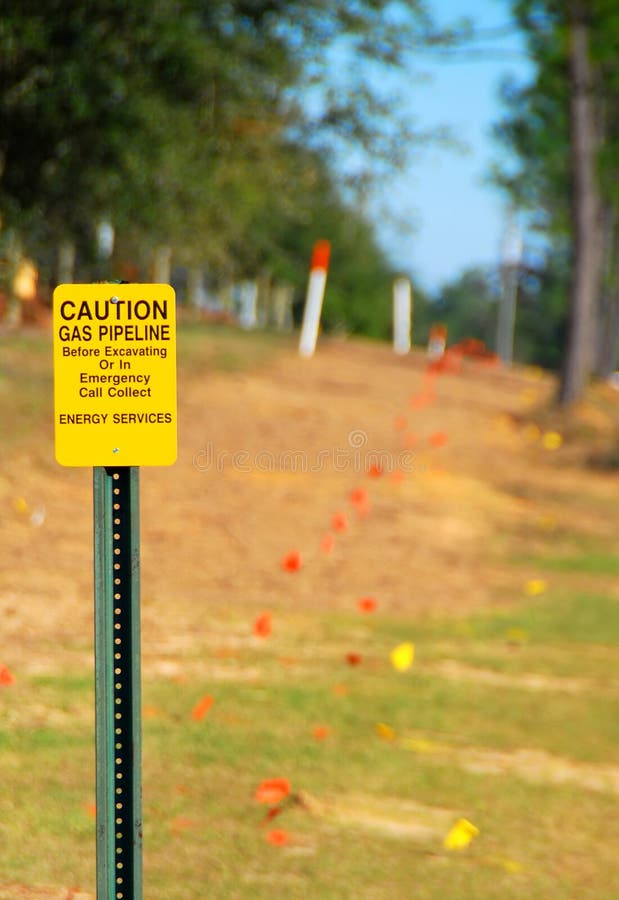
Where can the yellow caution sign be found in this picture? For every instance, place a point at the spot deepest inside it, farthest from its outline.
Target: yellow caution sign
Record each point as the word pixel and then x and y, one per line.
pixel 115 374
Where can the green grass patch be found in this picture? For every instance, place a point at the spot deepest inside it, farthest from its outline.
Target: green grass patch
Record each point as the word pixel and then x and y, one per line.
pixel 580 618
pixel 26 368
pixel 224 348
pixel 26 384
pixel 591 563
pixel 554 617
pixel 369 814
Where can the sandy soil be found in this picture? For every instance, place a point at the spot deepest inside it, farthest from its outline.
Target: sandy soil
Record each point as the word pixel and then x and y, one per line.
pixel 267 458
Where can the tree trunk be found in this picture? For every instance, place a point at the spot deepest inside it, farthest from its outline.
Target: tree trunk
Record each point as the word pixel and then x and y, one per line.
pixel 195 288
pixel 607 357
pixel 14 253
pixel 586 245
pixel 607 329
pixel 65 267
pixel 162 264
pixel 609 352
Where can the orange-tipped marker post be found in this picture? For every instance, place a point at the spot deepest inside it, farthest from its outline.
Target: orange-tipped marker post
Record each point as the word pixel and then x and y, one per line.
pixel 437 341
pixel 314 297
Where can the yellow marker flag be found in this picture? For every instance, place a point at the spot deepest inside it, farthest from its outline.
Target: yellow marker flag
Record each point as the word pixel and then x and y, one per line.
pixel 516 636
pixel 386 732
pixel 552 440
pixel 460 835
pixel 402 656
pixel 510 865
pixel 548 523
pixel 422 745
pixel 534 587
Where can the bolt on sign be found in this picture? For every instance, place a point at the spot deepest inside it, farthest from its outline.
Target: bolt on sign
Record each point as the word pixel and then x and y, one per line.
pixel 115 374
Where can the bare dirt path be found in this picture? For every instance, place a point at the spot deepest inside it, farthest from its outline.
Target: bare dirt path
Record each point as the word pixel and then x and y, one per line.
pixel 267 457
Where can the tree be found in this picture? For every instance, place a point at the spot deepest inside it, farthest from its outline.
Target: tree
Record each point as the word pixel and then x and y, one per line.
pixel 563 129
pixel 579 356
pixel 178 116
pixel 467 305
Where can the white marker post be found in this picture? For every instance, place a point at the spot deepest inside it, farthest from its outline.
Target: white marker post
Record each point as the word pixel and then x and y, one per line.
pixel 314 298
pixel 402 306
pixel 248 315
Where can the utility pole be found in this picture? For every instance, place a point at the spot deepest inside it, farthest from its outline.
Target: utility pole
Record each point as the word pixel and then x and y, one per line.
pixel 510 265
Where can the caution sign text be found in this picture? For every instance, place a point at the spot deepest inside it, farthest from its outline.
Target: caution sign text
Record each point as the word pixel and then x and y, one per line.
pixel 115 374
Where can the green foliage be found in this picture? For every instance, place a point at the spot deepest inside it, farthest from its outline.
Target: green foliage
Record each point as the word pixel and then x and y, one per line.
pixel 541 320
pixel 537 130
pixel 359 294
pixel 467 306
pixel 181 122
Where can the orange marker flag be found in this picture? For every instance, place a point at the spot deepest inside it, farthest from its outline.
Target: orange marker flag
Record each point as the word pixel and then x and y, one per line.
pixel 358 496
pixel 367 604
pixel 327 543
pixel 339 522
pixel 438 439
pixel 263 626
pixel 419 401
pixel 272 790
pixel 6 676
pixel 360 500
pixel 202 707
pixel 181 823
pixel 320 732
pixel 364 509
pixel 278 837
pixel 292 561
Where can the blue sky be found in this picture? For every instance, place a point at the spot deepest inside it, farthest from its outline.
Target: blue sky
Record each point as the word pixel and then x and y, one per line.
pixel 458 220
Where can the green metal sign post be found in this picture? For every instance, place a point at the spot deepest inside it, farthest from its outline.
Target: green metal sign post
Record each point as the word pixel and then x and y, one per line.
pixel 115 410
pixel 117 682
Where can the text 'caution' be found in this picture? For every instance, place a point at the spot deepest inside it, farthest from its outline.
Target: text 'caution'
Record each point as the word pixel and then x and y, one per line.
pixel 115 374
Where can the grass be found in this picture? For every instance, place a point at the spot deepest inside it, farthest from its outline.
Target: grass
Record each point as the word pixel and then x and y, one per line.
pixel 507 718
pixel 26 368
pixel 570 617
pixel 205 347
pixel 25 384
pixel 593 563
pixel 378 809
